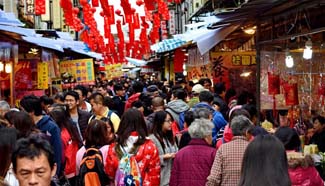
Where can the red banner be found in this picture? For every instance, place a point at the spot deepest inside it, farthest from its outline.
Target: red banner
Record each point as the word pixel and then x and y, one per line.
pixel 274 83
pixel 291 94
pixel 23 75
pixel 40 7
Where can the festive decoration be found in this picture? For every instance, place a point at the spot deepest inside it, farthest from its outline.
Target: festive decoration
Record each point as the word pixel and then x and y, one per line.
pixel 291 94
pixel 274 83
pixel 115 50
pixel 40 7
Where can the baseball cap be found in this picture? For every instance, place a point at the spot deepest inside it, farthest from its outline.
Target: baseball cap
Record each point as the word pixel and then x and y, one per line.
pixel 198 88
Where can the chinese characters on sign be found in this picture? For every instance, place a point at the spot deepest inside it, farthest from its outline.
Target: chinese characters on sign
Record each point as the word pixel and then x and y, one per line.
pixel 172 29
pixel 42 75
pixel 244 60
pixel 82 70
pixel 29 7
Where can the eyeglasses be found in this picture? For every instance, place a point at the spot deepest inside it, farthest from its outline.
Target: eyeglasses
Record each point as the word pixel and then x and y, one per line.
pixel 168 120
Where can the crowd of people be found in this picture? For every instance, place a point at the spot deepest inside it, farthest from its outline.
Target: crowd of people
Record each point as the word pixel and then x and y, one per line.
pixel 140 133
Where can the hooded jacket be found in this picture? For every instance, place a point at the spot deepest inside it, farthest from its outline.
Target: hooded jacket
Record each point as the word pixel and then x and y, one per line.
pixel 131 99
pixel 218 120
pixel 176 107
pixel 51 129
pixel 302 171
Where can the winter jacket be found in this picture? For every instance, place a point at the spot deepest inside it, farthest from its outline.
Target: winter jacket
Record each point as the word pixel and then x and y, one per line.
pixel 83 118
pixel 147 157
pixel 70 149
pixel 149 121
pixel 176 107
pixel 222 105
pixel 302 171
pixel 218 120
pixel 131 99
pixel 47 126
pixel 165 164
pixel 192 164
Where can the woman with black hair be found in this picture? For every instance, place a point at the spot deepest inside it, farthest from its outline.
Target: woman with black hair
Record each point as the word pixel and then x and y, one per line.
pixel 70 140
pixel 301 167
pixel 162 136
pixel 265 163
pixel 132 138
pixel 8 137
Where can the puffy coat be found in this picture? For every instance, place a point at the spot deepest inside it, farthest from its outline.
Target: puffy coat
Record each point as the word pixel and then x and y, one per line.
pixel 302 171
pixel 192 164
pixel 147 157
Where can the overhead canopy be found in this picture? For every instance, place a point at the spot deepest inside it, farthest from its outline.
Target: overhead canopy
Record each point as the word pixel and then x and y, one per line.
pixel 9 19
pixel 167 45
pixel 44 42
pixel 136 62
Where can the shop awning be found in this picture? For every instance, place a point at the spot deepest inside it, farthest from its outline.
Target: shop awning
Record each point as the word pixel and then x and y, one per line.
pixel 18 30
pixel 206 38
pixel 136 62
pixel 167 45
pixel 44 42
pixel 9 18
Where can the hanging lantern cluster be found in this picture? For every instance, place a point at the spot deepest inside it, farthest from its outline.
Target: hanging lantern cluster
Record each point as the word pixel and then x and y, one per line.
pixel 71 15
pixel 118 48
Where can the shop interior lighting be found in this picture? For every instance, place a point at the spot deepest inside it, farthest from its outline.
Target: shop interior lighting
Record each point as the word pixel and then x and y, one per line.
pixel 245 74
pixel 250 31
pixel 308 52
pixel 184 70
pixel 289 60
pixel 8 68
pixel 33 51
pixel 2 66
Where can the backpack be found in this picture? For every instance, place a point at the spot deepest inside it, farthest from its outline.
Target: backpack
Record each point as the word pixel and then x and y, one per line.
pixel 181 119
pixel 92 169
pixel 109 114
pixel 128 172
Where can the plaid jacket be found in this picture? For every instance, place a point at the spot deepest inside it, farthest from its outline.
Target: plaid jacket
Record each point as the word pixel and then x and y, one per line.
pixel 226 167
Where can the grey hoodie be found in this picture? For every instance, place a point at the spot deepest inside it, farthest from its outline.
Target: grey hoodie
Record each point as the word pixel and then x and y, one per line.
pixel 175 107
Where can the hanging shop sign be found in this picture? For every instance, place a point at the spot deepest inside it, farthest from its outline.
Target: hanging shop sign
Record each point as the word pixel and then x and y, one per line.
pixel 114 70
pixel 42 75
pixel 78 71
pixel 244 60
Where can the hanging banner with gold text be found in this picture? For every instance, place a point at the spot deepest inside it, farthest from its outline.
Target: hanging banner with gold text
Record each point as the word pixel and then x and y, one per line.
pixel 42 75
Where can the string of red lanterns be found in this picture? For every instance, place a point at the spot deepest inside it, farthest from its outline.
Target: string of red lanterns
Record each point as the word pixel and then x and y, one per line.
pixel 116 50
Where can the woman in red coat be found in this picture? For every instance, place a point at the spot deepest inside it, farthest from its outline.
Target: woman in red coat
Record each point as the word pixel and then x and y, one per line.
pixel 132 138
pixel 302 171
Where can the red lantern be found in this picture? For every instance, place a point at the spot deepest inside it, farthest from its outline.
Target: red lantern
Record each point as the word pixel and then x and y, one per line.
pixel 136 22
pixel 95 3
pixel 111 14
pixel 139 2
pixel 118 12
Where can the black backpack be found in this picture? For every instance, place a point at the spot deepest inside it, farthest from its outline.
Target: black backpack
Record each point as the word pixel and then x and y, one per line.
pixel 91 171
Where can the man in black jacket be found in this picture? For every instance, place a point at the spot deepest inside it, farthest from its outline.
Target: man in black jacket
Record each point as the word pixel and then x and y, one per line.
pixel 71 98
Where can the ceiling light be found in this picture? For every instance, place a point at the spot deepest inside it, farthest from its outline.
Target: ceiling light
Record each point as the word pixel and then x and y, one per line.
pixel 250 31
pixel 245 74
pixel 8 68
pixel 2 66
pixel 289 59
pixel 308 52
